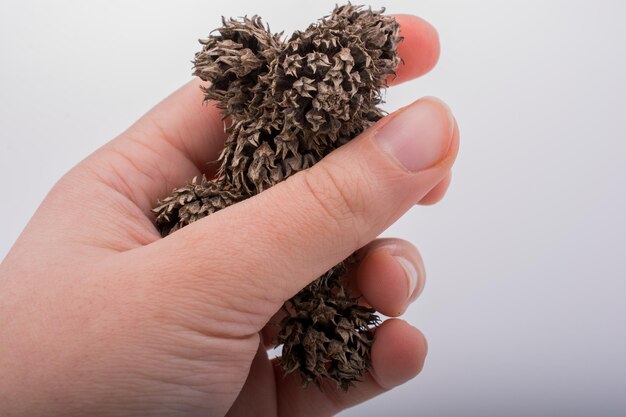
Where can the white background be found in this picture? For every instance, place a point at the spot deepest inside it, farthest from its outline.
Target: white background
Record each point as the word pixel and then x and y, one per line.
pixel 525 304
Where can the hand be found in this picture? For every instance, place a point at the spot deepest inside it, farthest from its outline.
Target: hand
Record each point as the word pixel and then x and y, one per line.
pixel 100 316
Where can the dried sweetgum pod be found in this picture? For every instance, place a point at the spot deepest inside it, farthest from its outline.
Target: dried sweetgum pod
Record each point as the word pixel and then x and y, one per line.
pixel 326 333
pixel 290 102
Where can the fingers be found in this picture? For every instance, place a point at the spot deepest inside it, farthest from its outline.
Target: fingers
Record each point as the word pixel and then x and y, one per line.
pixel 390 275
pixel 398 355
pixel 185 121
pixel 419 50
pixel 272 245
pixel 174 141
pixel 169 145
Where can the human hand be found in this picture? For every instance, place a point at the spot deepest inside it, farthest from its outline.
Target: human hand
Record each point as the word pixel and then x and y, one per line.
pixel 100 316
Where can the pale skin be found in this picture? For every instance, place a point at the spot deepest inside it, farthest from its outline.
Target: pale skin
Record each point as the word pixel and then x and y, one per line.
pixel 101 316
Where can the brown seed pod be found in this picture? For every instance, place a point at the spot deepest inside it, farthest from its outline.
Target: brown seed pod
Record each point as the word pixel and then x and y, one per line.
pixel 291 102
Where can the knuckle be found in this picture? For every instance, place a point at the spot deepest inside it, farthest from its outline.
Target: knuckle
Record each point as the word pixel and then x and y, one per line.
pixel 339 195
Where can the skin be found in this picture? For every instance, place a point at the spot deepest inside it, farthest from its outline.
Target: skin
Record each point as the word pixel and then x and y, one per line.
pixel 100 316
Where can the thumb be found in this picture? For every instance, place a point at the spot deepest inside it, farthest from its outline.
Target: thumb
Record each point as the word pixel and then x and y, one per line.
pixel 274 244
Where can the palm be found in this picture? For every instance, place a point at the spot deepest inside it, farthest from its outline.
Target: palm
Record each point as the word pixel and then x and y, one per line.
pixel 126 225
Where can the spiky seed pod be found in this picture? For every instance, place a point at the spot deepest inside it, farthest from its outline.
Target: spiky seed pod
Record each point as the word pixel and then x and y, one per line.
pixel 326 334
pixel 291 102
pixel 192 202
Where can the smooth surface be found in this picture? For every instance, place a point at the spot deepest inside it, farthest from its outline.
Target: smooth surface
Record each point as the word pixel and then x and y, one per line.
pixel 525 299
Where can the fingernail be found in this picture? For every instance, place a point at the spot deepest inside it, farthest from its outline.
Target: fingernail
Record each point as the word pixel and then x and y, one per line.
pixel 419 136
pixel 410 272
